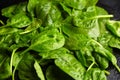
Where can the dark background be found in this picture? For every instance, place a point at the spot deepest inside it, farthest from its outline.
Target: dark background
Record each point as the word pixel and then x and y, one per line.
pixel 112 6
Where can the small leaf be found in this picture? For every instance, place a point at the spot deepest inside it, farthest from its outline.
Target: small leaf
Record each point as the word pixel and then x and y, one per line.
pixel 39 71
pixel 7 30
pixel 19 20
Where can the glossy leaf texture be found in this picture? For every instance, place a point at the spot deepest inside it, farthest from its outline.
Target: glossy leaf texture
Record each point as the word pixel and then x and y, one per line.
pixel 57 40
pixel 47 40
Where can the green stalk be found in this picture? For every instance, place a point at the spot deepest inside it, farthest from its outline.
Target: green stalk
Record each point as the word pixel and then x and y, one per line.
pixel 97 17
pixel 117 67
pixel 13 73
pixel 90 66
pixel 11 61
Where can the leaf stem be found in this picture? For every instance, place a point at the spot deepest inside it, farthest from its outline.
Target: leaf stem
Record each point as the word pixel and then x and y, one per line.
pixel 106 72
pixel 117 67
pixel 2 22
pixel 97 17
pixel 11 61
pixel 22 54
pixel 90 66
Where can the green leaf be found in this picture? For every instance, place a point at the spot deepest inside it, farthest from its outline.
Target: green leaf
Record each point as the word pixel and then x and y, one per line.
pixel 54 54
pixel 114 27
pixel 77 42
pixel 65 8
pixel 80 4
pixel 39 71
pixel 90 19
pixel 85 57
pixel 4 65
pixel 48 12
pixel 104 39
pixel 70 65
pixel 95 74
pixel 32 5
pixel 36 23
pixel 114 42
pixel 102 61
pixel 26 69
pixel 47 40
pixel 105 52
pixel 7 30
pixel 76 4
pixel 10 11
pixel 19 20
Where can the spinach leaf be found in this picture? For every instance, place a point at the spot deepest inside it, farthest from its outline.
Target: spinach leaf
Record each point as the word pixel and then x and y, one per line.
pixel 54 54
pixel 69 64
pixel 101 60
pixel 114 42
pixel 31 6
pixel 36 23
pixel 114 27
pixel 48 12
pixel 8 30
pixel 4 65
pixel 14 9
pixel 19 20
pixel 95 74
pixel 26 69
pixel 47 40
pixel 79 4
pixel 39 70
pixel 57 40
pixel 85 57
pixel 77 42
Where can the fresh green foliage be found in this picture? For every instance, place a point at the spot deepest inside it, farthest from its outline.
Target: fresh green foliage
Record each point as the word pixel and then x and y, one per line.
pixel 95 74
pixel 57 40
pixel 101 60
pixel 4 65
pixel 114 27
pixel 39 70
pixel 27 68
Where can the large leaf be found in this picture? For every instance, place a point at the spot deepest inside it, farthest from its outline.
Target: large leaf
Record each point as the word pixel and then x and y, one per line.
pixel 26 69
pixel 95 74
pixel 7 30
pixel 79 4
pixel 48 12
pixel 54 54
pixel 70 65
pixel 32 5
pixel 48 40
pixel 114 42
pixel 114 27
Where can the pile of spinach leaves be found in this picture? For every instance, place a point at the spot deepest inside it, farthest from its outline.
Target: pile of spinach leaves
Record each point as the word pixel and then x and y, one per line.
pixel 57 40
